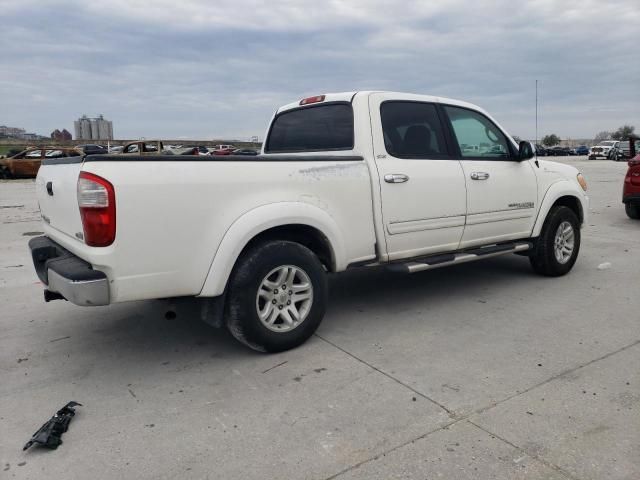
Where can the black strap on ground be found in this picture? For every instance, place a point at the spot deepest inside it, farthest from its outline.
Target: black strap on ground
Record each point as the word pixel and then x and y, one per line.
pixel 48 435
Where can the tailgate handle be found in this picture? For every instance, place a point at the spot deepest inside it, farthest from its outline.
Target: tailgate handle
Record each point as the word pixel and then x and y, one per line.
pixel 50 188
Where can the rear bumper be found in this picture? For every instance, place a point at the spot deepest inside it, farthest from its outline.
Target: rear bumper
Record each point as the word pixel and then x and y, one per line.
pixel 631 197
pixel 64 273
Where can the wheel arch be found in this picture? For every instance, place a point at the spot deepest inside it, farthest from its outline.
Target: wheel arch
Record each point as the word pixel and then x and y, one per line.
pixel 303 223
pixel 565 194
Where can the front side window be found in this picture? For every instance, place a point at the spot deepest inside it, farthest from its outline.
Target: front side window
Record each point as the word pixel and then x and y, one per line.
pixel 33 154
pixel 54 154
pixel 476 135
pixel 412 130
pixel 321 128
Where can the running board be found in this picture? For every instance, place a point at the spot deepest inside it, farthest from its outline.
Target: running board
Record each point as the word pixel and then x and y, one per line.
pixel 471 255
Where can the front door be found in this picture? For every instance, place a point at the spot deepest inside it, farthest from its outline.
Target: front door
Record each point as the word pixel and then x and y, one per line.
pixel 501 191
pixel 422 185
pixel 27 164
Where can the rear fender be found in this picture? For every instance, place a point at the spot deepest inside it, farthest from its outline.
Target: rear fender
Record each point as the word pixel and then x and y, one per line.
pixel 257 221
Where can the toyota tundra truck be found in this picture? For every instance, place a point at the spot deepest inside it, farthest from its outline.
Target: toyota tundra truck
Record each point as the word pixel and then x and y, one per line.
pixel 344 180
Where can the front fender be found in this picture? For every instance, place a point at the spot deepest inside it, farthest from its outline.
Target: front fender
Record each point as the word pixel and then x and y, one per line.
pixel 256 221
pixel 561 188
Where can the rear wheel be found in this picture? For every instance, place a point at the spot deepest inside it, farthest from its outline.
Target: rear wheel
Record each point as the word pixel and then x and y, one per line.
pixel 633 210
pixel 277 296
pixel 4 172
pixel 557 248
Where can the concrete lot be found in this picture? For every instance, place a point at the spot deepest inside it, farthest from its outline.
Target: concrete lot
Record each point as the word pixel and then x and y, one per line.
pixel 478 371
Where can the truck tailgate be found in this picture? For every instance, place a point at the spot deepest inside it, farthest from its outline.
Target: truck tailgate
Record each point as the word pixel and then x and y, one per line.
pixel 56 186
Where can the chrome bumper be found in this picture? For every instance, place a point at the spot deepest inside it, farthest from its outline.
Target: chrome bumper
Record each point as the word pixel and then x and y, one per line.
pixel 67 275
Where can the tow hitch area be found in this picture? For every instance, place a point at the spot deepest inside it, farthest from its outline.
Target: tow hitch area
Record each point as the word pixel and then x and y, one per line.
pixel 49 296
pixel 49 434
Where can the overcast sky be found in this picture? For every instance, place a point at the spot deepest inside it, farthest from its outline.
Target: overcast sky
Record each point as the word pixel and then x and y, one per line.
pixel 219 68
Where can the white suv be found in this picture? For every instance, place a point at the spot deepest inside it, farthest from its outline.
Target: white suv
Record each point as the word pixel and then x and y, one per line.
pixel 604 149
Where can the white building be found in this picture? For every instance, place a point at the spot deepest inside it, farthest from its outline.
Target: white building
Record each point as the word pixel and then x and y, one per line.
pixel 93 128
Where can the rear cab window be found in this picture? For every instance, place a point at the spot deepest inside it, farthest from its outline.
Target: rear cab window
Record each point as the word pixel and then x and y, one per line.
pixel 318 128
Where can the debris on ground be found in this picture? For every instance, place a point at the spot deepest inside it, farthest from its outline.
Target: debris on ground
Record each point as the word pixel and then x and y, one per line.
pixel 604 266
pixel 49 434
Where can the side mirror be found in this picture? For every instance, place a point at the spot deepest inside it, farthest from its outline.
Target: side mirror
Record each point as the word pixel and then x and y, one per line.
pixel 525 151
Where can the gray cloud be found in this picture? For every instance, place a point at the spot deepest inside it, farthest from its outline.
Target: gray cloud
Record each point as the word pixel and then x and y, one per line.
pixel 203 69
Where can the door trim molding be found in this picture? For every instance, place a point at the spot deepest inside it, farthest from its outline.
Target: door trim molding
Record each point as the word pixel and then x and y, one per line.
pixel 408 226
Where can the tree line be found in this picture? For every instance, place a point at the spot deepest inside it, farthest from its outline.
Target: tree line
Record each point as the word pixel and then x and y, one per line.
pixel 621 133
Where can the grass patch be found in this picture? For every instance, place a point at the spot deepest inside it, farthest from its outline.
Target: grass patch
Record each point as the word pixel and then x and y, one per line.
pixel 5 149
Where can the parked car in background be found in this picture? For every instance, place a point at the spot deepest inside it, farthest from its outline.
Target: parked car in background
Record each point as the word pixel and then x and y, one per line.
pixel 116 149
pixel 603 149
pixel 222 149
pixel 582 150
pixel 631 189
pixel 244 151
pixel 558 151
pixel 184 151
pixel 93 149
pixel 625 148
pixel 541 151
pixel 156 147
pixel 143 147
pixel 26 163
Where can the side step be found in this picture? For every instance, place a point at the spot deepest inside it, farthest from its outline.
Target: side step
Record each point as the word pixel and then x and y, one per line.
pixel 444 260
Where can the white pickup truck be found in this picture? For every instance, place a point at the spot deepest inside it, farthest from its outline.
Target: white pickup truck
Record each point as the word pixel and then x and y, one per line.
pixel 344 180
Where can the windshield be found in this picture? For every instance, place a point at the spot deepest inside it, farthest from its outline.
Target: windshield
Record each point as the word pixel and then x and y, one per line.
pixel 608 144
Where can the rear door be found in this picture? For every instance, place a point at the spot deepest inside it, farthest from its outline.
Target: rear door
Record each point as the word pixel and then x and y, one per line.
pixel 421 183
pixel 501 191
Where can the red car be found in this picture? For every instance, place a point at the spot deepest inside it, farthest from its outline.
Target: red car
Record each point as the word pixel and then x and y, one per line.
pixel 631 190
pixel 222 149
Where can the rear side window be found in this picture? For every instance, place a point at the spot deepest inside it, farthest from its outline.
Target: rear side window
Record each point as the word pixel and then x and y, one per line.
pixel 321 128
pixel 412 130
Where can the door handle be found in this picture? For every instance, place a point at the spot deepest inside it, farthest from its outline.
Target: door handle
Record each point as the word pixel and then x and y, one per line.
pixel 396 178
pixel 479 175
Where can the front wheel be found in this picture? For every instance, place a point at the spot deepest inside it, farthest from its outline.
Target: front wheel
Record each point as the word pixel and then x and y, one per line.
pixel 556 250
pixel 632 210
pixel 277 296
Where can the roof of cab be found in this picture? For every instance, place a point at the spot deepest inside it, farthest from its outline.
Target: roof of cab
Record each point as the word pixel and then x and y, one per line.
pixel 348 97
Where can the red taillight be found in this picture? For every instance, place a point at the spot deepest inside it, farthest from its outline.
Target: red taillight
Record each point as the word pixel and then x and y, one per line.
pixel 97 202
pixel 316 99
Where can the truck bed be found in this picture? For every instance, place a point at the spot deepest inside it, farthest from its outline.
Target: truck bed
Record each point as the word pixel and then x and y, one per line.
pixel 173 212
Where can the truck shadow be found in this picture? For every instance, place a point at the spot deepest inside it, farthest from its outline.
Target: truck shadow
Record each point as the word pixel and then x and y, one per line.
pixel 379 286
pixel 142 332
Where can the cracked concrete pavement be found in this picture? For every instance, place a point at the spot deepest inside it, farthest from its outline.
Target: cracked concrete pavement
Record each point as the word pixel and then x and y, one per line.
pixel 482 370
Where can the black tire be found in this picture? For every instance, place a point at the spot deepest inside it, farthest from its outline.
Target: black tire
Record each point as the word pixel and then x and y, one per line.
pixel 4 172
pixel 632 210
pixel 543 258
pixel 251 269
